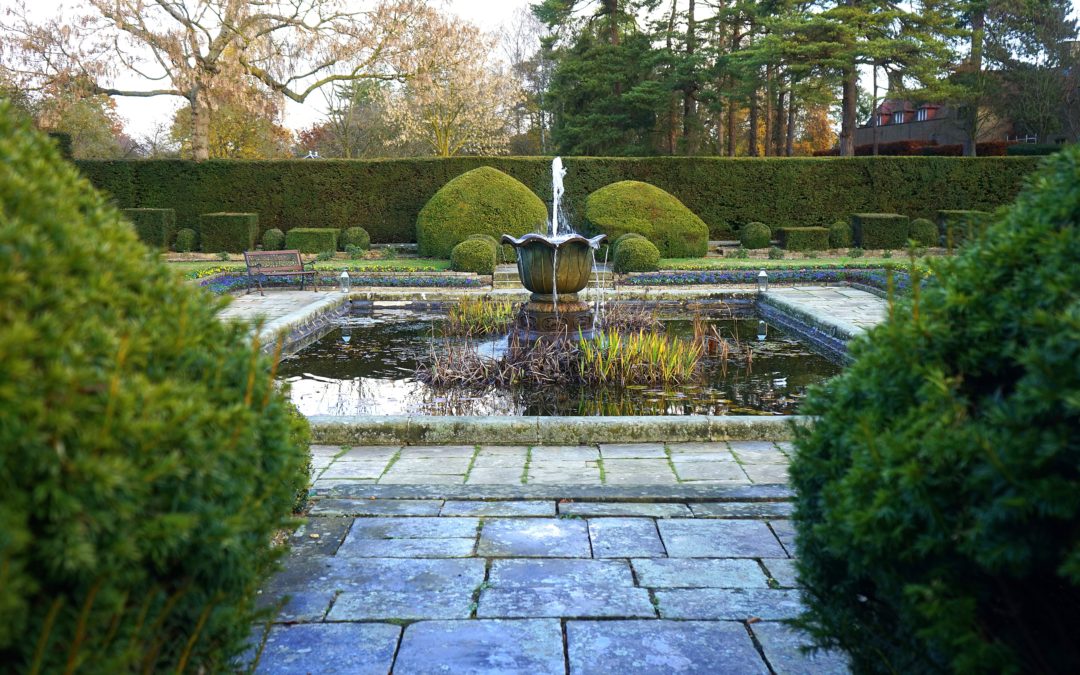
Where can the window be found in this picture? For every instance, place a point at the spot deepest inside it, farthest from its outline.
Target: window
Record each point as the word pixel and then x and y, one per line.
pixel 883 120
pixel 922 115
pixel 898 117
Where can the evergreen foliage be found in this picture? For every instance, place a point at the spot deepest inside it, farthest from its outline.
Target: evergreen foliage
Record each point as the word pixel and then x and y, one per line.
pixel 755 235
pixel 481 201
pixel 155 227
pixel 148 456
pixel 938 491
pixel 804 238
pixel 632 206
pixel 923 232
pixel 231 232
pixel 387 195
pixel 312 239
pixel 187 240
pixel 841 235
pixel 959 226
pixel 880 230
pixel 355 236
pixel 636 255
pixel 473 255
pixel 273 240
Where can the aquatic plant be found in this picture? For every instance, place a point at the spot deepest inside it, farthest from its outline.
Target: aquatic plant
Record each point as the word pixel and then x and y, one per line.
pixel 478 316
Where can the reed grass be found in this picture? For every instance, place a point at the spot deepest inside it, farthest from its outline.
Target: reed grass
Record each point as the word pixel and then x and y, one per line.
pixel 476 316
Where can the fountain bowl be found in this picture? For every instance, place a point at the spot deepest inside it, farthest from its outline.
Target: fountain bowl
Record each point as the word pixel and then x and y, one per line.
pixel 554 266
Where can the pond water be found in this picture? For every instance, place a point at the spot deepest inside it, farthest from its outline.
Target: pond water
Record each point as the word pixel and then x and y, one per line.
pixel 367 364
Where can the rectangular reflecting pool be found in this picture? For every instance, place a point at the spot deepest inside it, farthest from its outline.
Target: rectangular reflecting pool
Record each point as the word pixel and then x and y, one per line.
pixel 366 365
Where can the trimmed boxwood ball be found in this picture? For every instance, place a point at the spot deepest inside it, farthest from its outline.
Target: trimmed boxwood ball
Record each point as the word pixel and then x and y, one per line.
pixel 354 236
pixel 633 206
pixel 273 240
pixel 755 235
pixel 187 240
pixel 840 235
pixel 503 252
pixel 148 455
pixel 938 495
pixel 636 255
pixel 923 232
pixel 481 201
pixel 473 255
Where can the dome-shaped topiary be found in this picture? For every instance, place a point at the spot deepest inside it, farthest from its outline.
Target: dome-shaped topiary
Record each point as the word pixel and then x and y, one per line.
pixel 187 240
pixel 355 236
pixel 503 252
pixel 473 255
pixel 938 492
pixel 481 201
pixel 841 234
pixel 273 239
pixel 755 235
pixel 923 232
pixel 148 459
pixel 632 206
pixel 636 255
pixel 623 237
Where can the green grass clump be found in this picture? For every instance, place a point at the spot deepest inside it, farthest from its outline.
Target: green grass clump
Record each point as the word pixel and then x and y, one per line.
pixel 620 359
pixel 476 316
pixel 755 235
pixel 636 255
pixel 481 201
pixel 938 488
pixel 149 458
pixel 633 206
pixel 473 255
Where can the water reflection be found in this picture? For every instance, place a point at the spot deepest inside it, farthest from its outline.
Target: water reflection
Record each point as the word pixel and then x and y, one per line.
pixel 366 367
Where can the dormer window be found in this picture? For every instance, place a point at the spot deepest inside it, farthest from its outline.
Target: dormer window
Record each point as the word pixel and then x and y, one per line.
pixel 922 114
pixel 898 117
pixel 883 120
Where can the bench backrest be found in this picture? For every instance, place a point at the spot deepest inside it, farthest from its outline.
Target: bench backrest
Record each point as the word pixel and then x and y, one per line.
pixel 276 261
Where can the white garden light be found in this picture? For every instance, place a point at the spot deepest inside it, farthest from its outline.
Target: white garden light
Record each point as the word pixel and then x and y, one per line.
pixel 762 281
pixel 344 282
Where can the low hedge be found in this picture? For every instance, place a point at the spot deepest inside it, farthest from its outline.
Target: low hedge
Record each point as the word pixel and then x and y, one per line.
pixel 880 230
pixel 312 239
pixel 1032 149
pixel 755 235
pixel 804 238
pixel 727 193
pixel 473 255
pixel 154 227
pixel 841 235
pixel 636 255
pixel 958 226
pixel 187 240
pixel 231 232
pixel 923 232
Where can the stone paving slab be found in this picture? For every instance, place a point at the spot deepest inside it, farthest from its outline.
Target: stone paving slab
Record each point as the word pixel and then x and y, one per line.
pixel 783 571
pixel 504 509
pixel 698 573
pixel 624 538
pixel 632 451
pixel 743 509
pixel 410 537
pixel 625 509
pixel 376 507
pixel 481 646
pixel 660 647
pixel 719 539
pixel 401 606
pixel 345 648
pixel 571 491
pixel 729 604
pixel 785 532
pixel 782 646
pixel 534 537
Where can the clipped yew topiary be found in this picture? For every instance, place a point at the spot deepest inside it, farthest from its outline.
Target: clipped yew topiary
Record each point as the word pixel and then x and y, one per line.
pixel 755 235
pixel 354 236
pixel 230 232
pixel 147 459
pixel 481 201
pixel 923 232
pixel 503 252
pixel 840 235
pixel 312 239
pixel 938 491
pixel 804 238
pixel 880 230
pixel 636 255
pixel 154 227
pixel 187 240
pixel 273 240
pixel 633 206
pixel 473 255
pixel 957 227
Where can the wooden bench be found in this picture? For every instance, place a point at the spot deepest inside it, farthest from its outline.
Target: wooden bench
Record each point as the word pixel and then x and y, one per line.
pixel 277 264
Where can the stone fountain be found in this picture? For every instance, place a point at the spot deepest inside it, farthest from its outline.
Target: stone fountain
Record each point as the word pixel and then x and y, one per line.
pixel 555 268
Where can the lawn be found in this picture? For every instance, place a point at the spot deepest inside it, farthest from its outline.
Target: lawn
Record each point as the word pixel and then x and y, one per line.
pixel 794 261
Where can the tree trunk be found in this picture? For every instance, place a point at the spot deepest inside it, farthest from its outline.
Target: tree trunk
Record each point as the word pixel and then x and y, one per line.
pixel 779 130
pixel 752 137
pixel 200 125
pixel 874 112
pixel 789 144
pixel 971 113
pixel 848 111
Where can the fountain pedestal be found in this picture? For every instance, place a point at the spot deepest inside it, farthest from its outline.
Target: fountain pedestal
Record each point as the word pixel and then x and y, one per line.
pixel 543 318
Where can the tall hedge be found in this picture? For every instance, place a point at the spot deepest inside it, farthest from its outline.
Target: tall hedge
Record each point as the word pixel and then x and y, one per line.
pixel 938 508
pixel 147 456
pixel 385 196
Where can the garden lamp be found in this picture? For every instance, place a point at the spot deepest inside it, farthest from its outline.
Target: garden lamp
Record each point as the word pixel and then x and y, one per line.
pixel 762 281
pixel 346 333
pixel 762 330
pixel 344 282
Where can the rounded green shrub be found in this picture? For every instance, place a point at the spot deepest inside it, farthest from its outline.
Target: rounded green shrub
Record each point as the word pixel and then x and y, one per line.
pixel 938 489
pixel 636 255
pixel 841 235
pixel 623 237
pixel 481 201
pixel 633 206
pixel 473 255
pixel 755 235
pixel 187 240
pixel 355 236
pixel 148 456
pixel 503 252
pixel 924 232
pixel 273 239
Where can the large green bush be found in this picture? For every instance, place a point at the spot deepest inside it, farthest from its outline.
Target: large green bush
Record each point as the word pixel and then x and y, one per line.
pixel 232 232
pixel 473 255
pixel 633 206
pixel 503 252
pixel 727 193
pixel 147 460
pixel 938 491
pixel 482 201
pixel 154 227
pixel 755 235
pixel 957 226
pixel 804 238
pixel 636 255
pixel 841 235
pixel 880 230
pixel 355 236
pixel 273 240
pixel 312 239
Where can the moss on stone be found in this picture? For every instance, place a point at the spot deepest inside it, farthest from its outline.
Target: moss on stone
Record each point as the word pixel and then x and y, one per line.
pixel 633 206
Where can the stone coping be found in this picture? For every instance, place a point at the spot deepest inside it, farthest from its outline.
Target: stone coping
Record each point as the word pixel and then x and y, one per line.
pixel 535 430
pixel 629 494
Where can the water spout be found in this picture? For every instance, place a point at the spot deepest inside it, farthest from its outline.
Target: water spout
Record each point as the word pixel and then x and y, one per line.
pixel 557 173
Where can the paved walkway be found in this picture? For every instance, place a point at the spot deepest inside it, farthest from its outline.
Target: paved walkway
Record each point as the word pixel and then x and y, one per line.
pixel 847 308
pixel 542 585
